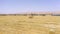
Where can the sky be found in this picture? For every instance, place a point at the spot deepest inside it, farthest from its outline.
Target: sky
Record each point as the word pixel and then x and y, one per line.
pixel 22 6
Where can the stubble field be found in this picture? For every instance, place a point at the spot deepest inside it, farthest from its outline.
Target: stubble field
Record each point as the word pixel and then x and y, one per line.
pixel 26 25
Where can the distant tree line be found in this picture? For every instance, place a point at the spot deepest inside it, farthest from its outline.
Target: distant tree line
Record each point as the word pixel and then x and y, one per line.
pixel 29 14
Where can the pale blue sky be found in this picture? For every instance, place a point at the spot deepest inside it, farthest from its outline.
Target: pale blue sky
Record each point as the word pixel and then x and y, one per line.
pixel 20 6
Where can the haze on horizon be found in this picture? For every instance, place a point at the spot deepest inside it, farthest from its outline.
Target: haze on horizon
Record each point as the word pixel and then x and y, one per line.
pixel 23 6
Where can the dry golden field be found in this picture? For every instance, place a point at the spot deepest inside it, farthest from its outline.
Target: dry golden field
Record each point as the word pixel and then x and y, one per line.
pixel 26 25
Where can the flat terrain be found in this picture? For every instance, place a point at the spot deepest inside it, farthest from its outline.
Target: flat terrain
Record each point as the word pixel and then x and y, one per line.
pixel 26 25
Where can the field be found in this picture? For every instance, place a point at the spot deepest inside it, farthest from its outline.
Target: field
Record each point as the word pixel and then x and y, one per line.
pixel 26 25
